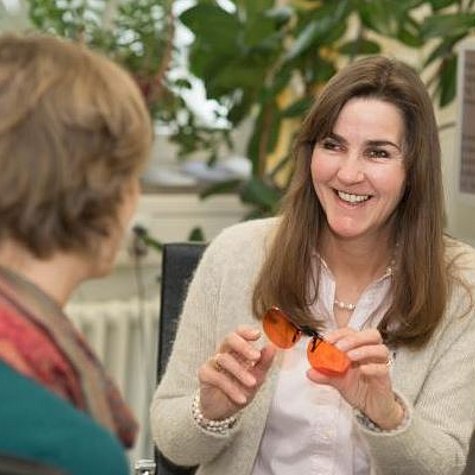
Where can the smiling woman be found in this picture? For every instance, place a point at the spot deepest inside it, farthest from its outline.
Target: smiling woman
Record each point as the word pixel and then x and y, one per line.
pixel 358 171
pixel 357 260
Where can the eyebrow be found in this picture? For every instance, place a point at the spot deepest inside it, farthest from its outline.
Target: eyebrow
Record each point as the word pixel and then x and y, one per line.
pixel 373 143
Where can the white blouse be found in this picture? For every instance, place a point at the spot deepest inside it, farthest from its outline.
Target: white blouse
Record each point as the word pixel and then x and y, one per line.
pixel 310 429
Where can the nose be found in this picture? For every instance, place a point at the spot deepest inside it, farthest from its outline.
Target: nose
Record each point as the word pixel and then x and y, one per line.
pixel 351 169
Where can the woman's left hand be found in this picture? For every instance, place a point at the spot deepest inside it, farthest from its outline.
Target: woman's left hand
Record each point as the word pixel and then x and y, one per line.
pixel 366 385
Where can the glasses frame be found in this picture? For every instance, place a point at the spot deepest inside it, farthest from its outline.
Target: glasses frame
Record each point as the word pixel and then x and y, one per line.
pixel 316 339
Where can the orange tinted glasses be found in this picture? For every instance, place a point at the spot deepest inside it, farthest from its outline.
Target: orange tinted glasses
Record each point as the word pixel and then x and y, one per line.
pixel 323 356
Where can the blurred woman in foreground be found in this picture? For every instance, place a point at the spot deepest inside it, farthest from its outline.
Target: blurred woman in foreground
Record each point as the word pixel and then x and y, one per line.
pixel 74 136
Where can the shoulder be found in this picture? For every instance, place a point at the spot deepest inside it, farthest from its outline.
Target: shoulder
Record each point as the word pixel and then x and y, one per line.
pixel 69 439
pixel 460 310
pixel 248 231
pixel 460 258
pixel 246 238
pixel 239 249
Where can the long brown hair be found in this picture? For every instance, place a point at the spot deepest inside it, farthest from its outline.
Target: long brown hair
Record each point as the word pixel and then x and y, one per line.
pixel 419 286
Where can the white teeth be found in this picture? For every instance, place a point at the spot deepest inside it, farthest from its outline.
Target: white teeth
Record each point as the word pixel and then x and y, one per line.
pixel 352 198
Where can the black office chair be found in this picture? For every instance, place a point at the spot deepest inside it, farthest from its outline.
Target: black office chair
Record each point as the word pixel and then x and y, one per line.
pixel 470 468
pixel 179 261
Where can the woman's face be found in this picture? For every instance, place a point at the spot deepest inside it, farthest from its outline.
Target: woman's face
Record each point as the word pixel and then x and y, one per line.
pixel 358 170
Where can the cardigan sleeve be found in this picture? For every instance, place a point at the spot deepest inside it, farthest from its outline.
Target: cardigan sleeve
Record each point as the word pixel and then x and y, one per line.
pixel 173 427
pixel 441 419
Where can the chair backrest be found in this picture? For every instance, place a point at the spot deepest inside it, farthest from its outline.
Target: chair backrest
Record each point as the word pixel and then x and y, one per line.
pixel 179 261
pixel 470 468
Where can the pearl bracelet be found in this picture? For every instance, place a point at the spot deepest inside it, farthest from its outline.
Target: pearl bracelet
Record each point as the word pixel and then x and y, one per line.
pixel 221 426
pixel 364 420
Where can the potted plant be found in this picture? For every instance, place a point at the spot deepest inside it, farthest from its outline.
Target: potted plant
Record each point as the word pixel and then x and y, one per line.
pixel 262 61
pixel 270 62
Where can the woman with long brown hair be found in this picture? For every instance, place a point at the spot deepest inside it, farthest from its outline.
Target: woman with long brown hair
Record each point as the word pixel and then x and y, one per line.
pixel 357 260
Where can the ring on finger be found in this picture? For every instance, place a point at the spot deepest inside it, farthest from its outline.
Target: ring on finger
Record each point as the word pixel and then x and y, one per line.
pixel 390 361
pixel 217 365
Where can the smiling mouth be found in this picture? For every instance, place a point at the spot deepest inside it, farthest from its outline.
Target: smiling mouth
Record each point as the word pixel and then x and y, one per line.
pixel 352 198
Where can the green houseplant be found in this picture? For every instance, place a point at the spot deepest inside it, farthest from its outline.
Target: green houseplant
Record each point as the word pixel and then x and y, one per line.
pixel 137 34
pixel 266 53
pixel 261 60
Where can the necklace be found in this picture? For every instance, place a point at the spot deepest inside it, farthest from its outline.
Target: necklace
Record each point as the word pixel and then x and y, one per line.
pixel 344 305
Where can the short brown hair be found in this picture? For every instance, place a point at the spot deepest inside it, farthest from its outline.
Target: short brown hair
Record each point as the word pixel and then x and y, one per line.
pixel 420 286
pixel 73 130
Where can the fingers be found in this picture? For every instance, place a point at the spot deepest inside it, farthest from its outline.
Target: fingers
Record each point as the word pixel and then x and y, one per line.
pixel 374 370
pixel 347 338
pixel 361 347
pixel 318 377
pixel 370 354
pixel 234 366
pixel 267 357
pixel 262 367
pixel 248 374
pixel 240 342
pixel 238 369
pixel 223 381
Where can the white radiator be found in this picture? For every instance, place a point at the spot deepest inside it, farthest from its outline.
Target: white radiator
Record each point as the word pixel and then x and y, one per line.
pixel 124 336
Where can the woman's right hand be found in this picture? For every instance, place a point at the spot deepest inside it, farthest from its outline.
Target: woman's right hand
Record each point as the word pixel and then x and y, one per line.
pixel 230 379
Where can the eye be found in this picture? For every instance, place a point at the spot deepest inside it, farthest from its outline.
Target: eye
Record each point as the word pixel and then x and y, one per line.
pixel 330 144
pixel 378 153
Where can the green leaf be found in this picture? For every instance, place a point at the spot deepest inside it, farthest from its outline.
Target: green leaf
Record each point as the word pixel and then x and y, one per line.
pixel 182 83
pixel 327 24
pixel 213 158
pixel 210 23
pixel 382 16
pixel 447 25
pixel 442 50
pixel 197 235
pixel 240 109
pixel 281 79
pixel 274 131
pixel 153 243
pixel 205 62
pixel 303 41
pixel 257 192
pixel 281 15
pixel 228 186
pixel 333 35
pixel 297 108
pixel 410 33
pixel 234 76
pixel 267 126
pixel 319 71
pixel 439 4
pixel 360 46
pixel 253 8
pixel 258 30
pixel 448 81
pixel 283 162
pixel 143 238
pixel 403 5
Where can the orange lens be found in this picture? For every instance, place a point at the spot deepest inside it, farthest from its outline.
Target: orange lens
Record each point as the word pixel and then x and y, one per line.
pixel 327 358
pixel 279 329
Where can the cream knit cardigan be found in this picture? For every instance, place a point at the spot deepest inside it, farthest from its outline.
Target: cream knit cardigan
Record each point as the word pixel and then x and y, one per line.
pixel 437 383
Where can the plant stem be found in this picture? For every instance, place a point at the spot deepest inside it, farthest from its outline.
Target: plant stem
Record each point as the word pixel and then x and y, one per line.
pixel 157 85
pixel 264 140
